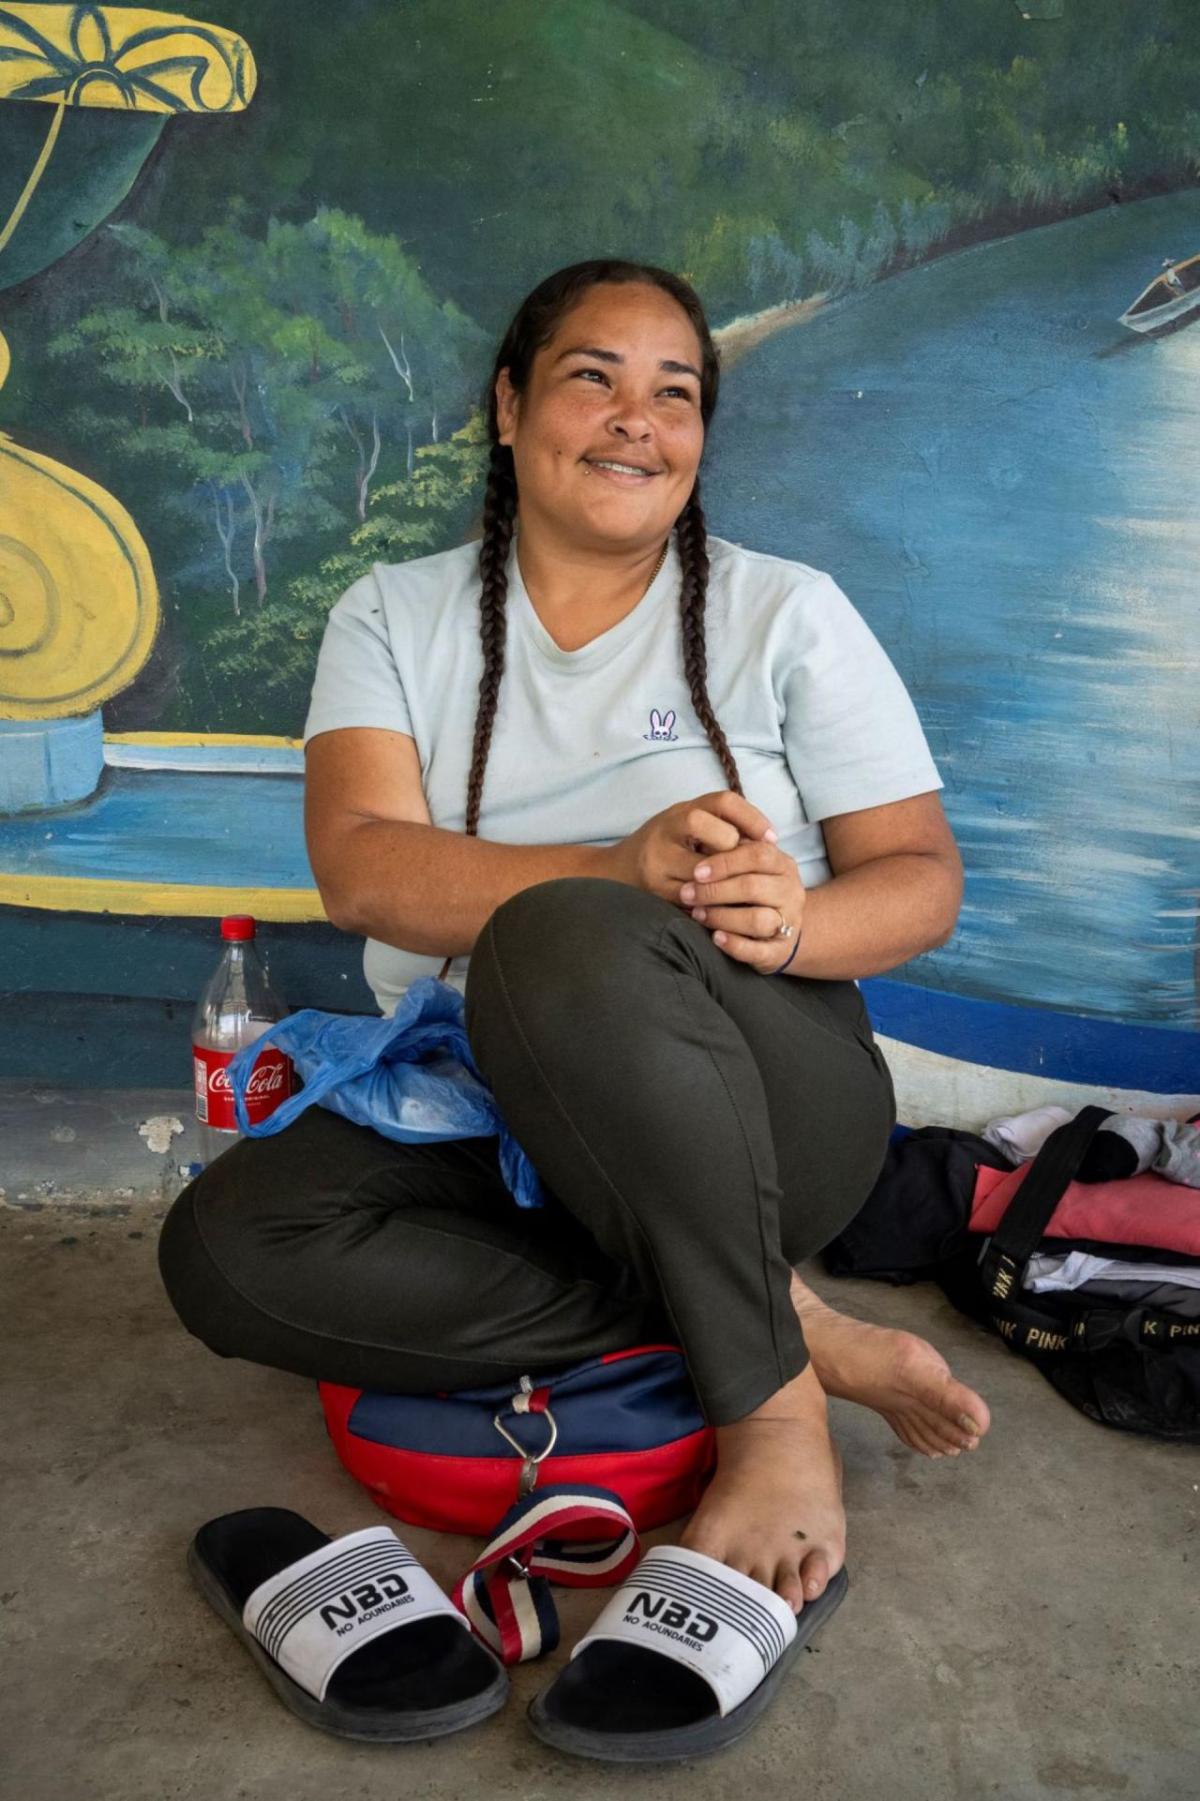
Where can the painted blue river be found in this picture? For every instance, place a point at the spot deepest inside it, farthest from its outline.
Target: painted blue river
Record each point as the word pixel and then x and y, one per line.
pixel 1006 483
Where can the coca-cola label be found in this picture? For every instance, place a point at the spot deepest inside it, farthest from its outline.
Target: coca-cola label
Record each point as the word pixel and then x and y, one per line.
pixel 270 1083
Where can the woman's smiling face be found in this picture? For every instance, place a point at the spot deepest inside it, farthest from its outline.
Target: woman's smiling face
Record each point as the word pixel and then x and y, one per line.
pixel 619 382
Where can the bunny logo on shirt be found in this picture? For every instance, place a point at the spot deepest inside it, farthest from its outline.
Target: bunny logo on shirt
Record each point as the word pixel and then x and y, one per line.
pixel 660 726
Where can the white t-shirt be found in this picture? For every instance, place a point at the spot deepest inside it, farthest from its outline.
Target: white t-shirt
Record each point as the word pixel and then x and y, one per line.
pixel 588 744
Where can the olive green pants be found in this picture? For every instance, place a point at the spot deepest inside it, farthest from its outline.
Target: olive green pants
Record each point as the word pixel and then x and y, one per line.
pixel 700 1128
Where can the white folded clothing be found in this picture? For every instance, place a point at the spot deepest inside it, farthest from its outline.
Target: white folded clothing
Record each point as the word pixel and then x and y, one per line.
pixel 1046 1274
pixel 1020 1136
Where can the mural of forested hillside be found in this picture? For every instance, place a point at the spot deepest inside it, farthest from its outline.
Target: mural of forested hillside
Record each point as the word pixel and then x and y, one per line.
pixel 946 249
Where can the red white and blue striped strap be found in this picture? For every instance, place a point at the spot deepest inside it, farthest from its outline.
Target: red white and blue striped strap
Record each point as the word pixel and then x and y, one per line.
pixel 581 1537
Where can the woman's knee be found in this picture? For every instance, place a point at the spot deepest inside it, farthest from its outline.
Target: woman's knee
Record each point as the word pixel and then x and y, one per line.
pixel 217 1233
pixel 188 1272
pixel 571 908
pixel 559 929
pixel 232 1245
pixel 213 1290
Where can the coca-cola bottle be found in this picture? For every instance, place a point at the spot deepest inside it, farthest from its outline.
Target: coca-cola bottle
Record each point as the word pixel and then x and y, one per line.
pixel 236 1007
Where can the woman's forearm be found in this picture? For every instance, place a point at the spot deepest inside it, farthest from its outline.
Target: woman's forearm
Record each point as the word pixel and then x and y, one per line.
pixel 871 918
pixel 432 891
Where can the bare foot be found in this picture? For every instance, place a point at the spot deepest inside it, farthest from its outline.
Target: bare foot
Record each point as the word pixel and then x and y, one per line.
pixel 774 1507
pixel 899 1375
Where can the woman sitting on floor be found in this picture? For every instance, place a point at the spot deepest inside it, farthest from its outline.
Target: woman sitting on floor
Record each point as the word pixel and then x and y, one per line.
pixel 580 678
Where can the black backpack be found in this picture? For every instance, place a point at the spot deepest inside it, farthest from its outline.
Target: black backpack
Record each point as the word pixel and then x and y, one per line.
pixel 1133 1367
pixel 1136 1368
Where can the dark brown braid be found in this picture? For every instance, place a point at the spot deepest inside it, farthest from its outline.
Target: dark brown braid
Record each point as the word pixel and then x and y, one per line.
pixel 499 519
pixel 535 322
pixel 690 535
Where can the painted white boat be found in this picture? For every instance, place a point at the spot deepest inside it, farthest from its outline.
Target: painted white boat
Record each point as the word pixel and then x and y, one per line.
pixel 1169 296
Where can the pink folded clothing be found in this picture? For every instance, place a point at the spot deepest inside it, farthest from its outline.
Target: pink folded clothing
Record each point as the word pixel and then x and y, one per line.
pixel 1142 1210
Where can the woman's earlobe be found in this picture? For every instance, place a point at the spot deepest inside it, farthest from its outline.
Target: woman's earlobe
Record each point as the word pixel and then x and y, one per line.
pixel 506 406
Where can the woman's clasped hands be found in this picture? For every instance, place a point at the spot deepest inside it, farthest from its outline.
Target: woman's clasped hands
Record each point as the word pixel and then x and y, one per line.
pixel 716 857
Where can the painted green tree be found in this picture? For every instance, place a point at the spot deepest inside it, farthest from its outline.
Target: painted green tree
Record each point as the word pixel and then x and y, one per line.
pixel 413 516
pixel 266 375
pixel 279 385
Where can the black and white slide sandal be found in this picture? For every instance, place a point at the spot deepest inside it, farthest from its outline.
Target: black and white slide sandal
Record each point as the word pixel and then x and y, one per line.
pixel 351 1633
pixel 682 1661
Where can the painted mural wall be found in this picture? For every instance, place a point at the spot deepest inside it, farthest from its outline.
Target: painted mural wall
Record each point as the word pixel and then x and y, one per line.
pixel 252 270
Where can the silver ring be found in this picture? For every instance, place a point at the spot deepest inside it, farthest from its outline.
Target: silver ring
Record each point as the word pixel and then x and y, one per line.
pixel 785 931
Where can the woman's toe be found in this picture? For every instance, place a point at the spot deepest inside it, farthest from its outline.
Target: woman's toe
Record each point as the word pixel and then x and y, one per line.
pixel 814 1573
pixel 900 1426
pixel 761 1572
pixel 917 1436
pixel 946 1437
pixel 789 1585
pixel 963 1409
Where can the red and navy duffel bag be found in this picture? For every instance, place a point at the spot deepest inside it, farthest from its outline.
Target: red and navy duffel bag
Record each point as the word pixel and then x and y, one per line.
pixel 629 1422
pixel 559 1473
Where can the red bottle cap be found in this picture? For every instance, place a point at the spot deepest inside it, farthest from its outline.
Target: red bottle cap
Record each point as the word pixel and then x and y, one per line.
pixel 238 927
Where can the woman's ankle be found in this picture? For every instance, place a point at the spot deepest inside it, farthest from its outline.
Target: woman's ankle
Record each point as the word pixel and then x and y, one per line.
pixel 806 1300
pixel 801 1403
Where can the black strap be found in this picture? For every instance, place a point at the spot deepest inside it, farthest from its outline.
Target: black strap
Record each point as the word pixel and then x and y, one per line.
pixel 1031 1209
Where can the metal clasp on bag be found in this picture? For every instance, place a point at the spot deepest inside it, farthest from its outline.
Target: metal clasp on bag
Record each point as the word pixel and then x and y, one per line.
pixel 529 1464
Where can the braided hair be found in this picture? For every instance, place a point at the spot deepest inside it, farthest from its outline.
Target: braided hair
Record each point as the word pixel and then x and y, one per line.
pixel 533 326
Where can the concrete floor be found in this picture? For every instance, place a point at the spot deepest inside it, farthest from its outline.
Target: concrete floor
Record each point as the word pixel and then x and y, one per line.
pixel 1022 1623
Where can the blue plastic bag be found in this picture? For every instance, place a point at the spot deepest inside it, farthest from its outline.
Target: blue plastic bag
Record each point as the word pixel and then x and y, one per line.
pixel 411 1077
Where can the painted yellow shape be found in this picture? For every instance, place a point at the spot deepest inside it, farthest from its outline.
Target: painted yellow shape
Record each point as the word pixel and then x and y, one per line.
pixel 78 599
pixel 176 900
pixel 124 57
